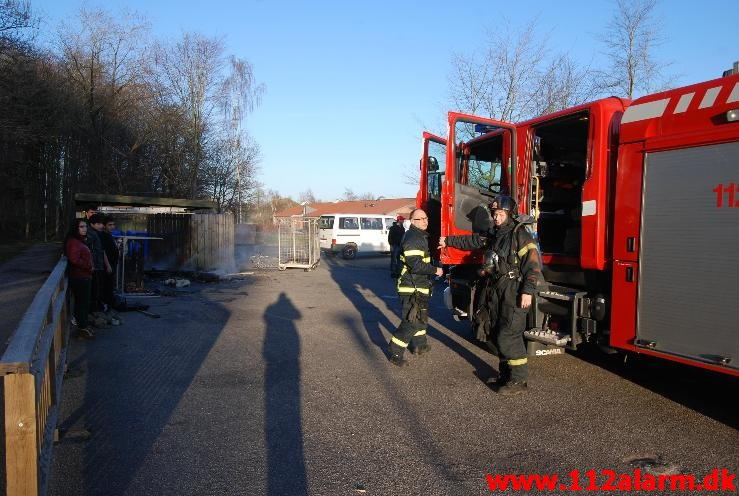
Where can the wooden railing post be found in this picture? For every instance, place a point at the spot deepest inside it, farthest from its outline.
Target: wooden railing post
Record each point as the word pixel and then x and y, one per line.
pixel 20 435
pixel 32 369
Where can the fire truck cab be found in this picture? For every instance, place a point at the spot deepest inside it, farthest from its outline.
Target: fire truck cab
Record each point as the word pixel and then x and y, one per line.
pixel 635 207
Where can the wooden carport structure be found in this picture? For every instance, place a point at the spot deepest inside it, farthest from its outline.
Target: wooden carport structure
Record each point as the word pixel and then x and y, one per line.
pixel 195 236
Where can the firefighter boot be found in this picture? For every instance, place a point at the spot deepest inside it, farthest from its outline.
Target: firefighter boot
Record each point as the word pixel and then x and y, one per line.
pixel 504 375
pixel 421 349
pixel 513 388
pixel 395 356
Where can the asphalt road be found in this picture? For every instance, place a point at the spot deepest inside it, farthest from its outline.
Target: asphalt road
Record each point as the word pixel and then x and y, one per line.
pixel 20 279
pixel 277 385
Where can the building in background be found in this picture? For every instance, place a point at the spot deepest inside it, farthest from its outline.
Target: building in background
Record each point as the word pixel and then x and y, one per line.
pixel 386 206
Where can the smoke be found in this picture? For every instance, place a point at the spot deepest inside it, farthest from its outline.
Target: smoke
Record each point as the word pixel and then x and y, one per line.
pixel 255 247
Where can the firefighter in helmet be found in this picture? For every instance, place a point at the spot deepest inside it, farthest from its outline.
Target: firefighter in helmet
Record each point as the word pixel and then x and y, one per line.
pixel 508 279
pixel 414 289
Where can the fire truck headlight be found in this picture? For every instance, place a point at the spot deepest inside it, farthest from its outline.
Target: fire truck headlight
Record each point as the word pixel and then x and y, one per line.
pixel 732 115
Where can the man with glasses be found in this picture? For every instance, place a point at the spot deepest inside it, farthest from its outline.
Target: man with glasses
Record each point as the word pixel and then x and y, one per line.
pixel 414 289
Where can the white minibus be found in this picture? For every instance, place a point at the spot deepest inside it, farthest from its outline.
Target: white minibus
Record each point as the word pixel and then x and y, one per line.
pixel 351 233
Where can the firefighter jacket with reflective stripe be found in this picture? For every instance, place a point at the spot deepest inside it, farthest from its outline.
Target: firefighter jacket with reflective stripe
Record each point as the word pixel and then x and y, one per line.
pixel 417 270
pixel 520 256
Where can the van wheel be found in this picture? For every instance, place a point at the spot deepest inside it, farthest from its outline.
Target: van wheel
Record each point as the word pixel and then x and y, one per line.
pixel 349 252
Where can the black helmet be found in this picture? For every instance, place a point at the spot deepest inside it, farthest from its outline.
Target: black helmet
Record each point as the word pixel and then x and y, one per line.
pixel 503 202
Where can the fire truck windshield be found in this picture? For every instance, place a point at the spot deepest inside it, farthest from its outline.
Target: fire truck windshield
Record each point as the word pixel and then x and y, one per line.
pixel 482 167
pixel 484 174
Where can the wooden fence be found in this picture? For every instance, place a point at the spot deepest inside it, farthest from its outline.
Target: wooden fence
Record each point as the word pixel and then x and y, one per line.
pixel 212 241
pixel 190 241
pixel 32 369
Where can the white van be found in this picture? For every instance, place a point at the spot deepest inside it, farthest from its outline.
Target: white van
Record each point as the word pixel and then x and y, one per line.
pixel 349 233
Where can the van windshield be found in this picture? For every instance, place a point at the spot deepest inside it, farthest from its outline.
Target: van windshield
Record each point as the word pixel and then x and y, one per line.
pixel 326 222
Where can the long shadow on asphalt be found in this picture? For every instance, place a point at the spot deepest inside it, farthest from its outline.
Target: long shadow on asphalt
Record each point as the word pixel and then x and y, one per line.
pixel 282 396
pixel 135 378
pixel 708 393
pixel 432 454
pixel 351 279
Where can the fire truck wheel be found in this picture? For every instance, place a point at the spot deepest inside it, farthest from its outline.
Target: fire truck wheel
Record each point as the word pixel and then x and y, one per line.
pixel 349 252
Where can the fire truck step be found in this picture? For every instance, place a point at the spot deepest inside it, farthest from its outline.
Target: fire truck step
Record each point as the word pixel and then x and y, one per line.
pixel 547 336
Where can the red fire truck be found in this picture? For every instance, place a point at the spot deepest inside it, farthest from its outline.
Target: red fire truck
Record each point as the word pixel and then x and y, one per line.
pixel 635 206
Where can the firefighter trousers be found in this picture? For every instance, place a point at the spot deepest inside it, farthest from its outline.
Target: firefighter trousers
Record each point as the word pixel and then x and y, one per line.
pixel 395 264
pixel 504 323
pixel 412 328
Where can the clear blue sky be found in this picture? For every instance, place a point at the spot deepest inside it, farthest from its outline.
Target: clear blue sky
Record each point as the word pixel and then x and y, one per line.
pixel 351 85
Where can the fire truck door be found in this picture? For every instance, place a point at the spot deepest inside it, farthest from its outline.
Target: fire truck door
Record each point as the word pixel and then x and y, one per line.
pixel 433 164
pixel 479 178
pixel 689 261
pixel 477 170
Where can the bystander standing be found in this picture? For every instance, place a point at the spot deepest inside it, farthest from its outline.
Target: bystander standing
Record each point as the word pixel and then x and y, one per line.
pixel 395 238
pixel 107 290
pixel 100 263
pixel 80 269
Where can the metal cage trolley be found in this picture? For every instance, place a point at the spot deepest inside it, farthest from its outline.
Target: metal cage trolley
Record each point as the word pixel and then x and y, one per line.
pixel 298 244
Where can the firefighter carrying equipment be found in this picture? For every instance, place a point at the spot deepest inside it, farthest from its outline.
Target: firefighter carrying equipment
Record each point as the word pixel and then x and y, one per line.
pixel 498 319
pixel 510 253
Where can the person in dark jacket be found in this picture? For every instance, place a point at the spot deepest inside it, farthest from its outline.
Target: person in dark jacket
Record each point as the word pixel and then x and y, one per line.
pixel 414 289
pixel 99 260
pixel 394 238
pixel 111 253
pixel 79 272
pixel 511 272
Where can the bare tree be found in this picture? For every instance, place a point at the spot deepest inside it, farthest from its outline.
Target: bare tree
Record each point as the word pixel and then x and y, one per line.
pixel 101 112
pixel 411 174
pixel 470 84
pixel 230 173
pixel 501 82
pixel 16 15
pixel 349 195
pixel 239 95
pixel 101 57
pixel 564 84
pixel 214 92
pixel 517 77
pixel 278 202
pixel 307 196
pixel 629 41
pixel 189 70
